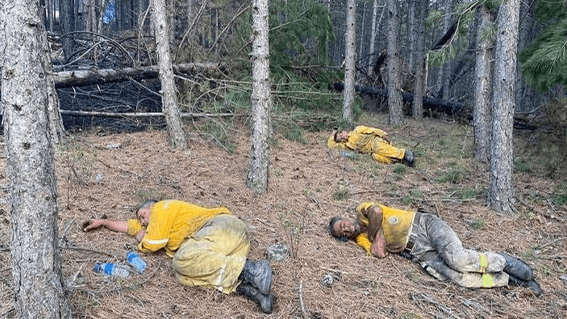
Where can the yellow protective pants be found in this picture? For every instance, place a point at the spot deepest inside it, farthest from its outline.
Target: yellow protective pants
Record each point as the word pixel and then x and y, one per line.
pixel 214 256
pixel 385 153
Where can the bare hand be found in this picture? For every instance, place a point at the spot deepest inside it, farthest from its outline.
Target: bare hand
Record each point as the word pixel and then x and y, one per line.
pixel 92 224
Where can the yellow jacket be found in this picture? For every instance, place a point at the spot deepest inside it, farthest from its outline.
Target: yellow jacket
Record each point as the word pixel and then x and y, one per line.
pixel 171 222
pixel 361 139
pixel 396 225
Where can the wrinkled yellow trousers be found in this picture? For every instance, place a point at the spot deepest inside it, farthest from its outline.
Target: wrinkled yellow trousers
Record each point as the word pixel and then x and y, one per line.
pixel 385 153
pixel 214 256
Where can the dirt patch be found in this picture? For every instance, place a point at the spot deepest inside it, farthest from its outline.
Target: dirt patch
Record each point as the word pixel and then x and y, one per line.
pixel 107 174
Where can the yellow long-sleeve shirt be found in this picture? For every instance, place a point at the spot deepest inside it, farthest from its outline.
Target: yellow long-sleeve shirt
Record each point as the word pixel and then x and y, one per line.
pixel 396 225
pixel 360 139
pixel 170 223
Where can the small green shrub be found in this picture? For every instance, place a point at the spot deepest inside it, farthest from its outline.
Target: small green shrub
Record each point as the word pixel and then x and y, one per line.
pixel 478 224
pixel 341 194
pixel 560 194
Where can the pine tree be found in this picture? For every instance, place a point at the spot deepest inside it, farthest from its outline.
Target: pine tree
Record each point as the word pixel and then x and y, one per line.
pixel 544 62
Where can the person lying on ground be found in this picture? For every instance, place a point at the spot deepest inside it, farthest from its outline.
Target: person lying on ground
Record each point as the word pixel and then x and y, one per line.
pixel 428 240
pixel 371 140
pixel 209 246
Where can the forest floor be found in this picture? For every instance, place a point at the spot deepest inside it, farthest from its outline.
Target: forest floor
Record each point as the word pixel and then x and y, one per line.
pixel 107 174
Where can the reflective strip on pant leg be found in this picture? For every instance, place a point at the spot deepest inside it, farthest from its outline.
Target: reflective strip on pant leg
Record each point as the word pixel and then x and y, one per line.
pixel 483 263
pixel 487 281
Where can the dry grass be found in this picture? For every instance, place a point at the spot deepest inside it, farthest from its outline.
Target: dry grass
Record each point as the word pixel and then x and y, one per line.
pixel 304 181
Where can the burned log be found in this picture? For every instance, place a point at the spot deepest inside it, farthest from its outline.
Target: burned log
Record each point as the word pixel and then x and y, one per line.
pixel 90 77
pixel 439 105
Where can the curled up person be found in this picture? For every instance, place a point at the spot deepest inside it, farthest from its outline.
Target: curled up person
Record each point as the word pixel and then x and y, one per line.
pixel 428 240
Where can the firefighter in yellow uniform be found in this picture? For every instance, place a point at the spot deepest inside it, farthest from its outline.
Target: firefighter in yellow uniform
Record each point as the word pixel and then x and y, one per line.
pixel 428 240
pixel 371 140
pixel 209 246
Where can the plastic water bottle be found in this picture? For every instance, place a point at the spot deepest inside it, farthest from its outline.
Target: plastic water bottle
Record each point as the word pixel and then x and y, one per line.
pixel 114 270
pixel 136 261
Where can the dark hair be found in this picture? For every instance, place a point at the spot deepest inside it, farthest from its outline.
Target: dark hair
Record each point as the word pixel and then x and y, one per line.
pixel 146 204
pixel 336 134
pixel 332 229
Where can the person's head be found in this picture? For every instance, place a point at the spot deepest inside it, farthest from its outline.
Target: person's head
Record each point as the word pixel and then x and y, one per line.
pixel 143 212
pixel 344 228
pixel 341 136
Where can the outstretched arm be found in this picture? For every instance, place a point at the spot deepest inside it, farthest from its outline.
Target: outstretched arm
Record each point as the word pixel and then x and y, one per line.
pixel 115 225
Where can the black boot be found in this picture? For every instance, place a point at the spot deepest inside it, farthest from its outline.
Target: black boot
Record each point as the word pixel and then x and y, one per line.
pixel 517 267
pixel 530 284
pixel 266 302
pixel 408 158
pixel 259 274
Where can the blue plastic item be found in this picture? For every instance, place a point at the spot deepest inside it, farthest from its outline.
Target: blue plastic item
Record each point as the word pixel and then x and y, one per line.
pixel 114 270
pixel 136 261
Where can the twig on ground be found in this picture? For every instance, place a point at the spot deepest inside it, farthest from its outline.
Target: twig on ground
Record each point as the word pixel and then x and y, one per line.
pixel 553 241
pixel 88 249
pixel 301 299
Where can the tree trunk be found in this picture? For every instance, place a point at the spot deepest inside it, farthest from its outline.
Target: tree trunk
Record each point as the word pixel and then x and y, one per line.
pixel 413 34
pixel 394 83
pixel 372 37
pixel 36 262
pixel 350 67
pixel 421 64
pixel 443 75
pixel 501 190
pixel 259 160
pixel 169 94
pixel 525 94
pixel 67 26
pixel 481 110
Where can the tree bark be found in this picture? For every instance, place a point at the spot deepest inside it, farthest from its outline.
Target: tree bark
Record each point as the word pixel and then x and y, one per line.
pixel 501 190
pixel 350 67
pixel 395 105
pixel 67 25
pixel 372 36
pixel 96 76
pixel 259 160
pixel 168 91
pixel 421 64
pixel 36 263
pixel 481 110
pixel 443 75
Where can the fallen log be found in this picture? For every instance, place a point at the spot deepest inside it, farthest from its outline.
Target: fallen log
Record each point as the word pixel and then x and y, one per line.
pixel 440 105
pixel 140 114
pixel 90 77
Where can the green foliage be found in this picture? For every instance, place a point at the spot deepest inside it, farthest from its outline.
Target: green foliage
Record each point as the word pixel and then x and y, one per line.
pixel 294 224
pixel 453 175
pixel 299 35
pixel 219 134
pixel 400 170
pixel 299 32
pixel 78 158
pixel 544 62
pixel 341 194
pixel 453 47
pixel 413 197
pixel 467 193
pixel 478 224
pixel 410 315
pixel 560 194
pixel 277 174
